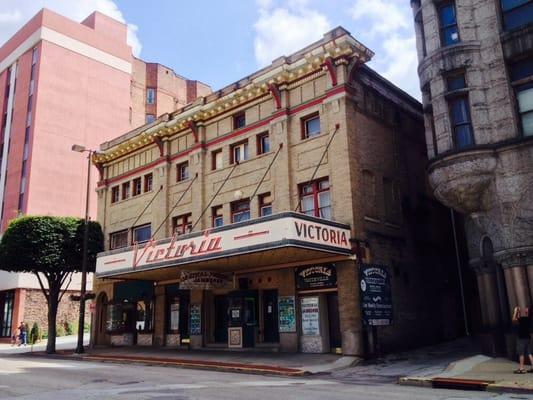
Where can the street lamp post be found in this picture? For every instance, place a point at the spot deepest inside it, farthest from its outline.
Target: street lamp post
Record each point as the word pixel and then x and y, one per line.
pixel 81 323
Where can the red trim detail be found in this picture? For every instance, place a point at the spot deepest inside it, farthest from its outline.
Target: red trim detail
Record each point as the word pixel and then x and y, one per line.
pixel 194 128
pixel 248 235
pixel 285 112
pixel 273 88
pixel 115 261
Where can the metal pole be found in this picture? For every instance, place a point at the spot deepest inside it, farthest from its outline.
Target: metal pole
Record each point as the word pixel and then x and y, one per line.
pixel 459 273
pixel 81 323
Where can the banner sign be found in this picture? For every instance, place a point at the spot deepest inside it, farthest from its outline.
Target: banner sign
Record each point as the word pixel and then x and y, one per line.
pixel 316 277
pixel 204 280
pixel 376 299
pixel 195 319
pixel 287 229
pixel 287 314
pixel 310 316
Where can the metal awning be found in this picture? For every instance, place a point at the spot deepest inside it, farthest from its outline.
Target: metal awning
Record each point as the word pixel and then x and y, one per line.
pixel 278 240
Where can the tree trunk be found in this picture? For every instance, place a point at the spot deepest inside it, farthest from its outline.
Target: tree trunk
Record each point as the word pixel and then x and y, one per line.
pixel 53 303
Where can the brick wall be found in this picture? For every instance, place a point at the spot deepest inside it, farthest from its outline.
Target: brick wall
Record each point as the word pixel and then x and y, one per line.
pixel 36 309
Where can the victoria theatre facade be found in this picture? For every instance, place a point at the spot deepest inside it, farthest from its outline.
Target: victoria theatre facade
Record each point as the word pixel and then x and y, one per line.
pixel 242 219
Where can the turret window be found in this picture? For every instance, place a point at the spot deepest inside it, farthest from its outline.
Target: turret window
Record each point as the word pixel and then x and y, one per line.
pixel 449 33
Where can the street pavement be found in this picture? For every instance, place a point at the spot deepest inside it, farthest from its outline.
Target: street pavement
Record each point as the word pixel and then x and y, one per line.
pixel 30 377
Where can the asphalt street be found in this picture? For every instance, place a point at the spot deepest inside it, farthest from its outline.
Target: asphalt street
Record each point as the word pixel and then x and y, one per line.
pixel 29 377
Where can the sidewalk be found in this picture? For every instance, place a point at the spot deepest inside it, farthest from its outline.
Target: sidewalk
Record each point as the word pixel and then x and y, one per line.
pixel 477 373
pixel 62 343
pixel 285 364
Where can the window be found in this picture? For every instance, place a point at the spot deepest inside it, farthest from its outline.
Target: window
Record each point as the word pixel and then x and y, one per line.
pixel 315 198
pixel 182 224
pixel 142 233
pixel 265 205
pixel 34 55
pixel 419 24
pixel 149 118
pixel 369 194
pixel 263 143
pixel 310 126
pixel 239 152
pixel 516 13
pixel 460 122
pixel 150 96
pixel 115 194
pixel 239 121
pixel 521 71
pixel 216 159
pixel 182 171
pixel 216 215
pixel 118 239
pixel 448 24
pixel 125 190
pixel 148 182
pixel 456 82
pixel 136 187
pixel 240 211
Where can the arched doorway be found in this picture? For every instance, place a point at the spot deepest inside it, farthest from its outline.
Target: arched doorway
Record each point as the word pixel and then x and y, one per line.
pixel 100 336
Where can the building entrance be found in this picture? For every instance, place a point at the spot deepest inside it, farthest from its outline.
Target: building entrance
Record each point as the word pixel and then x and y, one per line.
pixel 270 316
pixel 335 337
pixel 243 311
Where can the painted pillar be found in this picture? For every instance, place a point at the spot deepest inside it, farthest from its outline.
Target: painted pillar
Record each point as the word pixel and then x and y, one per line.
pixel 159 315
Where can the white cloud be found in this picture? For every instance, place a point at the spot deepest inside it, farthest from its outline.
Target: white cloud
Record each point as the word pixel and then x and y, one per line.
pixel 390 33
pixel 15 14
pixel 285 28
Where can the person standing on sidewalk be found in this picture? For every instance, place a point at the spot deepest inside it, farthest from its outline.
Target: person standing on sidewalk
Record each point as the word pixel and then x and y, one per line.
pixel 23 334
pixel 522 318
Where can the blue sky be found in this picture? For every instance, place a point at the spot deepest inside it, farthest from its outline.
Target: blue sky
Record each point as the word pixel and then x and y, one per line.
pixel 219 42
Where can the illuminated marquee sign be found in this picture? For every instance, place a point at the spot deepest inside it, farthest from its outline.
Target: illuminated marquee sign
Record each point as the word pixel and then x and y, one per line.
pixel 286 229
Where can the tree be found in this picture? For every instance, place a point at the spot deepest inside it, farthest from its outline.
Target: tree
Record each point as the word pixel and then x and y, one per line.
pixel 51 249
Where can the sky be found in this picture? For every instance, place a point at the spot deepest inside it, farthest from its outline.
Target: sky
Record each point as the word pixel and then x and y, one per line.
pixel 220 41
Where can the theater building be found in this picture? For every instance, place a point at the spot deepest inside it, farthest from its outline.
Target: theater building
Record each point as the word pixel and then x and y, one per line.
pixel 242 219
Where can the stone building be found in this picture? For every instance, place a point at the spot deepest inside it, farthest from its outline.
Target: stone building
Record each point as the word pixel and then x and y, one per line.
pixel 476 75
pixel 62 83
pixel 243 219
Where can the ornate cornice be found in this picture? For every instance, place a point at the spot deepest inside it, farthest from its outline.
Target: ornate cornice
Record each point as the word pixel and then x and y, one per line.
pixel 301 68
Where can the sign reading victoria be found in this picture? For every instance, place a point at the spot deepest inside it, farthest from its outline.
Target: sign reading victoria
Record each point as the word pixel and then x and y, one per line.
pixel 281 230
pixel 376 299
pixel 316 277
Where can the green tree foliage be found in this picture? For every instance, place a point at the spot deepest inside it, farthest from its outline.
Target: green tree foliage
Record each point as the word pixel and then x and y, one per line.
pixel 50 248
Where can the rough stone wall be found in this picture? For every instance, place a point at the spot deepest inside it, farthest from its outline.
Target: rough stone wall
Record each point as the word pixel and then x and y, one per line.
pixel 36 310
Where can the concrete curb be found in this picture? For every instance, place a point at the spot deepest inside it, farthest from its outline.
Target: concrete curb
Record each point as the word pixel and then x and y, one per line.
pixel 183 363
pixel 464 384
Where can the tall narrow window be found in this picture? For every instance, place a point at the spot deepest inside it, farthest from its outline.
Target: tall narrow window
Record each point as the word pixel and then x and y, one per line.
pixel 460 122
pixel 217 217
pixel 522 80
pixel 263 143
pixel 516 13
pixel 459 111
pixel 240 211
pixel 182 171
pixel 419 23
pixel 148 182
pixel 182 224
pixel 136 190
pixel 449 34
pixel 216 159
pixel 265 204
pixel 315 198
pixel 150 96
pixel 125 190
pixel 115 194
